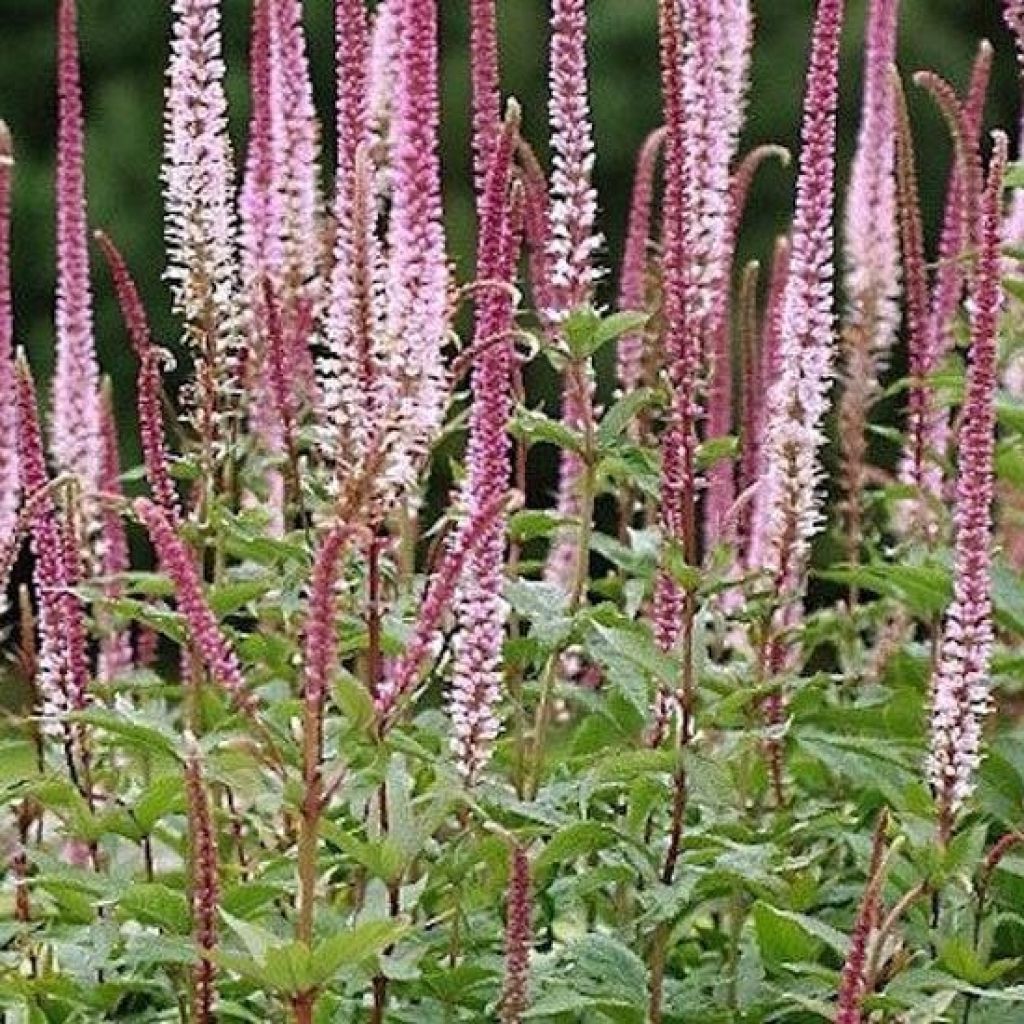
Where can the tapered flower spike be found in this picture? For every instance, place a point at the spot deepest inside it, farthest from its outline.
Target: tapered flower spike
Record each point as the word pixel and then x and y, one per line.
pixel 9 475
pixel 787 511
pixel 380 89
pixel 682 346
pixel 537 224
pixel 261 200
pixel 933 339
pixel 204 883
pixel 414 384
pixel 177 561
pixel 960 686
pixel 573 242
pixel 301 157
pixel 350 366
pixel 717 73
pixel 63 660
pixel 148 383
pixel 518 939
pixel 872 263
pixel 404 674
pixel 116 656
pixel 484 58
pixel 200 220
pixel 480 606
pixel 75 430
pixel 853 981
pixel 320 645
pixel 634 285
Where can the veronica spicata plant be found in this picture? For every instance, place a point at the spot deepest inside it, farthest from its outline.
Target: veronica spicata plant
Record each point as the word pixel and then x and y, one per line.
pixel 331 712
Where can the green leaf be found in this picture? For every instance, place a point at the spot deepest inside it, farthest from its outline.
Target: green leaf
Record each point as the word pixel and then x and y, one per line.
pixel 534 427
pixel 230 597
pixel 353 947
pixel 351 695
pixel 623 413
pixel 574 841
pixel 164 796
pixel 638 646
pixel 782 937
pixel 157 905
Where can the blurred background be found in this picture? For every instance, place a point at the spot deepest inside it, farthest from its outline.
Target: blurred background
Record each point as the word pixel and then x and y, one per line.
pixel 124 51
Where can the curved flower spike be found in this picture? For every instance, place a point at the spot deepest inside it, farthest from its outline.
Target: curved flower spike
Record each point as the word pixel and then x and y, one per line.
pixel 151 427
pixel 636 261
pixel 177 561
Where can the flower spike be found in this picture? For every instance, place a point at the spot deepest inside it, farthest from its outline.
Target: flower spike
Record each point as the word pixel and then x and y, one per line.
pixel 151 428
pixel 414 384
pixel 572 243
pixel 204 883
pixel 636 262
pixel 200 220
pixel 787 512
pixel 518 936
pixel 960 696
pixel 486 87
pixel 75 430
pixel 177 562
pixel 9 474
pixel 63 677
pixel 872 259
pixel 116 656
pixel 479 602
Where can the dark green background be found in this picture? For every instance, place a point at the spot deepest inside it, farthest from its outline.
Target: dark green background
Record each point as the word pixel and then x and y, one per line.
pixel 124 45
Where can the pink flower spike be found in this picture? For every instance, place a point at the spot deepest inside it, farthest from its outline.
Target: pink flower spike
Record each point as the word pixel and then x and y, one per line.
pixel 9 474
pixel 573 241
pixel 349 367
pixel 872 262
pixel 853 980
pixel 518 939
pixel 537 223
pixel 787 512
pixel 404 674
pixel 872 243
pixel 300 152
pixel 261 201
pixel 636 262
pixel 151 427
pixel 75 430
pixel 177 561
pixel 682 344
pixel 63 676
pixel 204 888
pixel 116 656
pixel 960 686
pixel 479 602
pixel 320 646
pixel 486 74
pixel 716 76
pixel 414 383
pixel 200 217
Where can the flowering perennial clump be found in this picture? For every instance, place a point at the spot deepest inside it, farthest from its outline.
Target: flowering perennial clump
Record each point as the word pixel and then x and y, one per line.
pixel 418 672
